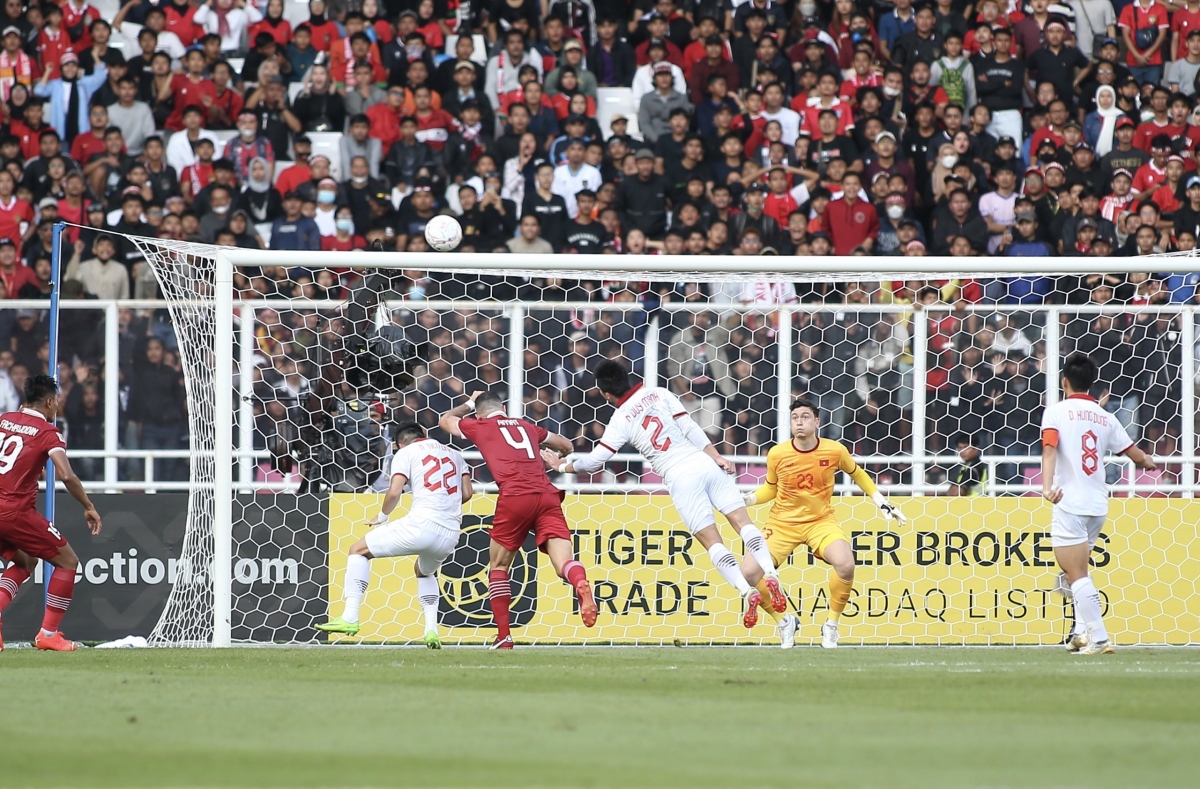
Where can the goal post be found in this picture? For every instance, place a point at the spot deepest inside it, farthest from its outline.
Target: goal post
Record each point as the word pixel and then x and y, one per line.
pixel 255 333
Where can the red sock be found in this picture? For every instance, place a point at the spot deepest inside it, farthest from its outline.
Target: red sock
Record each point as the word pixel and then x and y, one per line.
pixel 58 598
pixel 10 582
pixel 500 593
pixel 573 572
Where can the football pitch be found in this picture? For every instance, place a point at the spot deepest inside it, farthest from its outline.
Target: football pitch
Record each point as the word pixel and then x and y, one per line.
pixel 567 717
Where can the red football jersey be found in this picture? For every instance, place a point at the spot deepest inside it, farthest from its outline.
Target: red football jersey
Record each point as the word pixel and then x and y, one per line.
pixel 510 449
pixel 26 440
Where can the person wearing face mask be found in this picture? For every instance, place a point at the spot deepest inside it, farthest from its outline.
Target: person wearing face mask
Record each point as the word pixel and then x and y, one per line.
pixel 345 238
pixel 358 190
pixel 326 213
pixel 220 205
pixel 892 212
pixel 248 145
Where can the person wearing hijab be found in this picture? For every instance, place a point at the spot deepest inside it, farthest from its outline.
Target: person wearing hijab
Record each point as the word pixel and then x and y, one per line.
pixel 1099 126
pixel 274 24
pixel 259 199
pixel 69 95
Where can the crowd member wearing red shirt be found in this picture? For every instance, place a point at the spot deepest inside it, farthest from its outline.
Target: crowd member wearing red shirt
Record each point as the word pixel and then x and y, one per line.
pixel 181 20
pixel 83 146
pixel 53 41
pixel 29 130
pixel 324 31
pixel 434 126
pixel 274 24
pixel 385 118
pixel 190 88
pixel 346 238
pixel 16 215
pixel 77 21
pixel 1154 172
pixel 1144 29
pixel 850 222
pixel 14 274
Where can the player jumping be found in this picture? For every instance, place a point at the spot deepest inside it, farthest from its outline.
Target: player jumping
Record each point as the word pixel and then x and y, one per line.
pixel 528 501
pixel 441 484
pixel 800 478
pixel 1081 433
pixel 27 438
pixel 698 479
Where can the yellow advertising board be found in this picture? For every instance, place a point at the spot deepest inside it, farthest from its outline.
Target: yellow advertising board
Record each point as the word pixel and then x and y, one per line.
pixel 962 571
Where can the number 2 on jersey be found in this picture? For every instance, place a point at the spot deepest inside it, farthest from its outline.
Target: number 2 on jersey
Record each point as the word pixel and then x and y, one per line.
pixel 432 464
pixel 653 423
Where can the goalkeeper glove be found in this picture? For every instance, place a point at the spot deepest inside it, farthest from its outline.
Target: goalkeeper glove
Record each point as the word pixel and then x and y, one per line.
pixel 750 498
pixel 889 510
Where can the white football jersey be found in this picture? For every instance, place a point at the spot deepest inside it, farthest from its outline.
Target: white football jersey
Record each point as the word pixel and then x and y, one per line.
pixel 1086 434
pixel 434 473
pixel 646 419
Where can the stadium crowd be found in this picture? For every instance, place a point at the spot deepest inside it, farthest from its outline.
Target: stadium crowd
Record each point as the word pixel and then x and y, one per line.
pixel 998 128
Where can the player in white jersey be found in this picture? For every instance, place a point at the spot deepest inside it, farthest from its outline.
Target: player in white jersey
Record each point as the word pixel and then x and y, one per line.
pixel 655 422
pixel 1077 434
pixel 440 484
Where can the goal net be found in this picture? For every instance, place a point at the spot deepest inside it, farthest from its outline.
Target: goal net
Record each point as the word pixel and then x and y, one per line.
pixel 934 373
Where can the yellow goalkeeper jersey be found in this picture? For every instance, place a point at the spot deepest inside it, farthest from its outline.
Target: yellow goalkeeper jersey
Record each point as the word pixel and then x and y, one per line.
pixel 801 483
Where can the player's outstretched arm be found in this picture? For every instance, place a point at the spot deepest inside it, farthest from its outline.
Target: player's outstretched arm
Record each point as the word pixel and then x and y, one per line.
pixel 867 485
pixel 391 499
pixel 64 472
pixel 449 420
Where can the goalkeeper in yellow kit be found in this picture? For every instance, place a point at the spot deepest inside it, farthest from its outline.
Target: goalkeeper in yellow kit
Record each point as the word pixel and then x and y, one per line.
pixel 800 479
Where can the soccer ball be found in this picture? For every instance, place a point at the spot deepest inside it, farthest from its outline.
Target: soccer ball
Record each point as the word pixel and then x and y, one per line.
pixel 443 233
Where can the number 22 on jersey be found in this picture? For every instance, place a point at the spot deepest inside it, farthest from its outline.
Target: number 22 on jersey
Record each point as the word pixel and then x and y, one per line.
pixel 440 473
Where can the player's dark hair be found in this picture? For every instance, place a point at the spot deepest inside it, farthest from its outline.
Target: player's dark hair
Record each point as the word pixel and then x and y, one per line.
pixel 38 388
pixel 488 401
pixel 1080 371
pixel 612 378
pixel 403 432
pixel 804 402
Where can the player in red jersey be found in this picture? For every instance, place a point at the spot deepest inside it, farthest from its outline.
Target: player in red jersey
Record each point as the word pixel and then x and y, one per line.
pixel 27 438
pixel 528 501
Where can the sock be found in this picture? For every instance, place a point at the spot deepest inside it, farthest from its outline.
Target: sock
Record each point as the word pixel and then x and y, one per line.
pixel 573 572
pixel 1088 608
pixel 10 582
pixel 58 598
pixel 766 601
pixel 358 572
pixel 839 595
pixel 500 593
pixel 756 546
pixel 727 566
pixel 428 594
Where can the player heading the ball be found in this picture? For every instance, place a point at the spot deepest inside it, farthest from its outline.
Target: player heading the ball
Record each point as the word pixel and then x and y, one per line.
pixel 27 439
pixel 697 477
pixel 528 502
pixel 1077 434
pixel 440 484
pixel 800 478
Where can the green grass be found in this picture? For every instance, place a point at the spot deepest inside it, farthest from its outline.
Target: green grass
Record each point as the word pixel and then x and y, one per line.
pixel 685 717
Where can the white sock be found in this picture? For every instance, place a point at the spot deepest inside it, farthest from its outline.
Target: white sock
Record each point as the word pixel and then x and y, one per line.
pixel 428 594
pixel 727 566
pixel 358 572
pixel 756 546
pixel 1088 608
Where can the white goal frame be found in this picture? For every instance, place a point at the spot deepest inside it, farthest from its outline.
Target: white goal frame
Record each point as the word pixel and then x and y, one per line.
pixel 682 268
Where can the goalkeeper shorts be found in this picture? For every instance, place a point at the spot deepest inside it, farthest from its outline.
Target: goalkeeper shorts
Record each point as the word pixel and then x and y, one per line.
pixel 784 538
pixel 430 542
